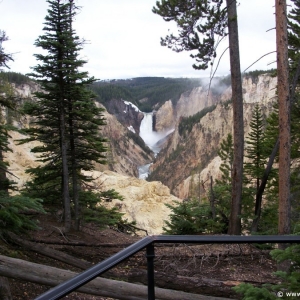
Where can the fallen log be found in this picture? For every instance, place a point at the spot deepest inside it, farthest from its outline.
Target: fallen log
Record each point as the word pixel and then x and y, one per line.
pixel 199 284
pixel 46 275
pixel 82 244
pixel 50 252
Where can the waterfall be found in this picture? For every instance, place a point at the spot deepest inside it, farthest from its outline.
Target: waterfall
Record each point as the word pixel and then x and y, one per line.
pixel 151 139
pixel 147 133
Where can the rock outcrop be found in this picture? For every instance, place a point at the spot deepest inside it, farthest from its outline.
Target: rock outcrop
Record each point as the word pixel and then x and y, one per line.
pixel 144 202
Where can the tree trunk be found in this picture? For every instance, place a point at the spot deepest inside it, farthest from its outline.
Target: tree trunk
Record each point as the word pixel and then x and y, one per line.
pixel 238 123
pixel 262 186
pixel 61 55
pixel 284 118
pixel 46 275
pixel 66 192
pixel 212 199
pixel 197 284
pixel 284 208
pixel 3 179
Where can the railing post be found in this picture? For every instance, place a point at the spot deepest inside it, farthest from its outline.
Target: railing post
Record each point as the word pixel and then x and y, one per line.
pixel 150 268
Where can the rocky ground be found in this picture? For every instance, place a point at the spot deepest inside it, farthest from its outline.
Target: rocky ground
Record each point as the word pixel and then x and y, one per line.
pixel 228 264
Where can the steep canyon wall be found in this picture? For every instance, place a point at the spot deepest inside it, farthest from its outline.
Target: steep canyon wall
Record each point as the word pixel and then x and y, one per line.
pixel 196 152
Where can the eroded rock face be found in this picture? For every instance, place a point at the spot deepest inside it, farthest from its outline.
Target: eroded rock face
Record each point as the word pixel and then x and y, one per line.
pixel 189 104
pixel 143 201
pixel 26 90
pixel 193 102
pixel 165 117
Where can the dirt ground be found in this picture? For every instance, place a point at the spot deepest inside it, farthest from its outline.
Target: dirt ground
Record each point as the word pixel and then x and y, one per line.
pixel 229 263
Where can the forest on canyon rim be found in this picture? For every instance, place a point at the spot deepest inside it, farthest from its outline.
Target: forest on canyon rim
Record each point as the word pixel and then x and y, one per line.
pixel 67 124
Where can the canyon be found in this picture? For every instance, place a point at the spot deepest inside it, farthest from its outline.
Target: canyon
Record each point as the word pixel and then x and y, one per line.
pixel 182 159
pixel 193 155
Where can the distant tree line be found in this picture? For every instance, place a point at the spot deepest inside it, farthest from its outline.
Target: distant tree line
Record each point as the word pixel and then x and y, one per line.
pixel 14 77
pixel 154 90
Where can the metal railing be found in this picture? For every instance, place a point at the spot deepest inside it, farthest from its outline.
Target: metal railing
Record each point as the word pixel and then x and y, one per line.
pixel 148 242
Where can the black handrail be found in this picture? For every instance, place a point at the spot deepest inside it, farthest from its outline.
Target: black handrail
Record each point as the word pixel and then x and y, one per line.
pixel 148 242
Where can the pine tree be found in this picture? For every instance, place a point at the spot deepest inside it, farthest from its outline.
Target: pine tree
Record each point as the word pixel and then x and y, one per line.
pixel 254 168
pixel 222 188
pixel 67 119
pixel 4 57
pixel 84 119
pixel 254 149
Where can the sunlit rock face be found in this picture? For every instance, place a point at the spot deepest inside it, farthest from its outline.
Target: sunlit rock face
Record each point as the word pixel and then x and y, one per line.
pixel 193 102
pixel 20 159
pixel 143 201
pixel 196 152
pixel 165 117
pixel 188 104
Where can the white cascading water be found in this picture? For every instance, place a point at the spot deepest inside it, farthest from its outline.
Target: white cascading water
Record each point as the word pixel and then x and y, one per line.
pixel 151 139
pixel 149 136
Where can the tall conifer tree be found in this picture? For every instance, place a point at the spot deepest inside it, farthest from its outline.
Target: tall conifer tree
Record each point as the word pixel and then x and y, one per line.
pixel 66 118
pixel 254 168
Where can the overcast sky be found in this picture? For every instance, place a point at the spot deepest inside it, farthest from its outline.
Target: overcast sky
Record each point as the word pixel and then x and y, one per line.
pixel 124 37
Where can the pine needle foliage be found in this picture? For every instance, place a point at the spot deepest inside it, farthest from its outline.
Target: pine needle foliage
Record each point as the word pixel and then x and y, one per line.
pixel 200 24
pixel 191 217
pixel 254 147
pixel 13 211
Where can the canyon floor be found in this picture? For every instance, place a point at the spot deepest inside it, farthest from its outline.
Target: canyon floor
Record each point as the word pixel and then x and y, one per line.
pixel 221 266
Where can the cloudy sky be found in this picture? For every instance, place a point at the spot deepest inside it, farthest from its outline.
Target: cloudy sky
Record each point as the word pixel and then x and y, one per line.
pixel 123 37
